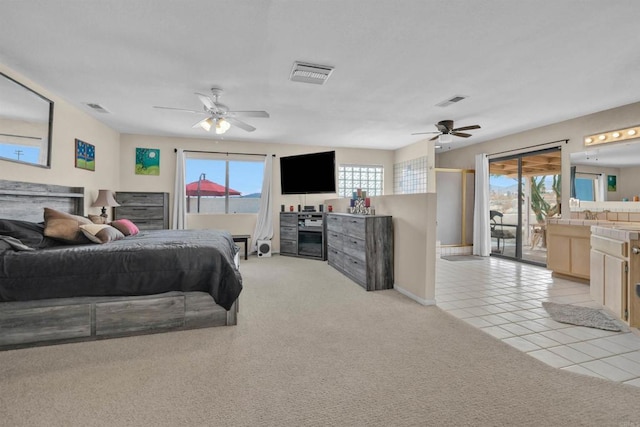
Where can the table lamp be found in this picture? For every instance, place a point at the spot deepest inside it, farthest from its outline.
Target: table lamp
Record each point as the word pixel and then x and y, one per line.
pixel 105 198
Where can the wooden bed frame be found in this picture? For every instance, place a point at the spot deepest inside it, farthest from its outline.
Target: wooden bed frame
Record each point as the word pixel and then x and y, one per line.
pixel 61 320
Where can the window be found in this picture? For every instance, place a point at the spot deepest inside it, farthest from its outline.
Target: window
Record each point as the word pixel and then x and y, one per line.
pixel 223 185
pixel 366 177
pixel 410 177
pixel 585 189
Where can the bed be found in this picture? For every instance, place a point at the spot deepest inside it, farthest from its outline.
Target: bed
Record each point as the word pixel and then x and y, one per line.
pixel 148 282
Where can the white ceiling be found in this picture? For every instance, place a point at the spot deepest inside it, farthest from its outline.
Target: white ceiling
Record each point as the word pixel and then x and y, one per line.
pixel 522 64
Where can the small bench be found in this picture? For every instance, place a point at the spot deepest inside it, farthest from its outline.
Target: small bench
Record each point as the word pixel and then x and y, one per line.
pixel 243 238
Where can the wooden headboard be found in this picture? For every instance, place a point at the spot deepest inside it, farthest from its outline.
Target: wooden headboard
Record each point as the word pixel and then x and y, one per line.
pixel 26 200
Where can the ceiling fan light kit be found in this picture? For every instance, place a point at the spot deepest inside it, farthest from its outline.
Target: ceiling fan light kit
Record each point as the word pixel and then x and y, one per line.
pixel 220 117
pixel 445 138
pixel 222 126
pixel 446 131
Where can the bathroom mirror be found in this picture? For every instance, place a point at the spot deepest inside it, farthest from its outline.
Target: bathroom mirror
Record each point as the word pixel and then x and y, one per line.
pixel 26 119
pixel 608 172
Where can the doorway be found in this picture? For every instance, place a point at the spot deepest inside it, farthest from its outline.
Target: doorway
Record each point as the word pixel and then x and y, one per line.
pixel 524 190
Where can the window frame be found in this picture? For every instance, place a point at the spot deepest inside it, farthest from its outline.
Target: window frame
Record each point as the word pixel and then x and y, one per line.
pixel 379 171
pixel 226 158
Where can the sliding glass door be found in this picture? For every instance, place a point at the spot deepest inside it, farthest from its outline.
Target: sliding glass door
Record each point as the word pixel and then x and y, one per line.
pixel 524 191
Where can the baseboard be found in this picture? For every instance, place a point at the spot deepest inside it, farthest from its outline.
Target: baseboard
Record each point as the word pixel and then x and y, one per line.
pixel 414 297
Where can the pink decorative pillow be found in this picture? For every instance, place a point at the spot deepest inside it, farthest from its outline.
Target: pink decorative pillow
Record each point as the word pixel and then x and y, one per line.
pixel 125 226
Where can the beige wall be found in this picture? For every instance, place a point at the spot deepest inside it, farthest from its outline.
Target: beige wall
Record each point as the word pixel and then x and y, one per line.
pixel 414 241
pixel 628 183
pixel 237 223
pixel 574 130
pixel 70 123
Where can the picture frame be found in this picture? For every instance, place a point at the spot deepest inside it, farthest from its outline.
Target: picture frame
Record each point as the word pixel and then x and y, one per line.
pixel 611 183
pixel 147 161
pixel 85 155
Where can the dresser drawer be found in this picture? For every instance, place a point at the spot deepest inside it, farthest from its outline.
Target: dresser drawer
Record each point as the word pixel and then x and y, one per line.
pixel 335 239
pixel 354 247
pixel 356 269
pixel 288 247
pixel 149 224
pixel 288 220
pixel 335 258
pixel 138 212
pixel 354 226
pixel 334 223
pixel 289 233
pixel 140 199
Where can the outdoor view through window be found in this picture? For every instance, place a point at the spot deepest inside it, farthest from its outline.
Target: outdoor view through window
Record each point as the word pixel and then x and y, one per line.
pixel 209 191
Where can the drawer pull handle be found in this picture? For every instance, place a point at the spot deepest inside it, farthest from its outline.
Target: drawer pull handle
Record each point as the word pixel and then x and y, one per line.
pixel 635 250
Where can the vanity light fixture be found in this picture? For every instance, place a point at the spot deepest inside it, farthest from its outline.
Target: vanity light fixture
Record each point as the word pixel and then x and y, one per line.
pixel 612 136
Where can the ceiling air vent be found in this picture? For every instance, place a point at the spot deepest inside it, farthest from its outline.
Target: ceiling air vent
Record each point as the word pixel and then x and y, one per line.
pixel 97 107
pixel 310 73
pixel 451 100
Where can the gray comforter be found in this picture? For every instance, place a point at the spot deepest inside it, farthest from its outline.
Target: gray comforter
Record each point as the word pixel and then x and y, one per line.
pixel 151 262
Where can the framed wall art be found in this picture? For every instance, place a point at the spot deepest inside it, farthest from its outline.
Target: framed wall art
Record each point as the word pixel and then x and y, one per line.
pixel 147 161
pixel 85 155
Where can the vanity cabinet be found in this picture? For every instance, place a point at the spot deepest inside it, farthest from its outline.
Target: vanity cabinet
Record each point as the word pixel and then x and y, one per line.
pixel 609 270
pixel 361 248
pixel 568 248
pixel 615 270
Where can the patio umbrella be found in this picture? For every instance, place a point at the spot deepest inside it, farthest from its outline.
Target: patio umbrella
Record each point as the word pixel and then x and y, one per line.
pixel 204 187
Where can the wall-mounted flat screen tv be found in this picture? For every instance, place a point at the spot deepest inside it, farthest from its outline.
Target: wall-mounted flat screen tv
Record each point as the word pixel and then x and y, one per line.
pixel 308 173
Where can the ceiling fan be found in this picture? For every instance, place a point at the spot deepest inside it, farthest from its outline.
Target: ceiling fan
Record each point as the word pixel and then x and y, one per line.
pixel 446 129
pixel 219 115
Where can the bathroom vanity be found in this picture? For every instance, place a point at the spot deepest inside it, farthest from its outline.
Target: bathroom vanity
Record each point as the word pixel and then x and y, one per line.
pixel 615 270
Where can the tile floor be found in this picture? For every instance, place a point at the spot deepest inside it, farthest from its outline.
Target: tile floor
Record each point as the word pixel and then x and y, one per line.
pixel 503 298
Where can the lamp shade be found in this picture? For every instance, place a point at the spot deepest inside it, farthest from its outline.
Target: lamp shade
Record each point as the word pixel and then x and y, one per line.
pixel 105 198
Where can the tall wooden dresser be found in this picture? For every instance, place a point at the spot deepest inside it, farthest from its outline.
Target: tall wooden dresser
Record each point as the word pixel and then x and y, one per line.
pixel 361 247
pixel 149 211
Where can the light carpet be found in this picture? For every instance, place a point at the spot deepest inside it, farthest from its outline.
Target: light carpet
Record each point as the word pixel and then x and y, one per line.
pixel 582 316
pixel 311 348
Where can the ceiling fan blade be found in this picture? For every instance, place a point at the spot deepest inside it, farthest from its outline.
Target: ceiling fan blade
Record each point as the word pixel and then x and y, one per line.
pixel 179 109
pixel 461 134
pixel 424 133
pixel 435 137
pixel 208 102
pixel 240 124
pixel 263 114
pixel 467 128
